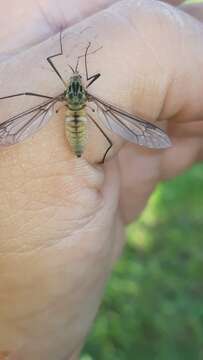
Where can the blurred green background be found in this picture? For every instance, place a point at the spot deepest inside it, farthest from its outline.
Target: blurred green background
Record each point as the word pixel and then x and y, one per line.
pixel 153 305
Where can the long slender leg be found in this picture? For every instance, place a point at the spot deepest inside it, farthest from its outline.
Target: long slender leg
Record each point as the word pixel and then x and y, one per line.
pixel 52 64
pixel 106 137
pixel 26 94
pixel 91 78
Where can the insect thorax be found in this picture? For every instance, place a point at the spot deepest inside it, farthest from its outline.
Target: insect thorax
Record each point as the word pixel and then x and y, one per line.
pixel 75 93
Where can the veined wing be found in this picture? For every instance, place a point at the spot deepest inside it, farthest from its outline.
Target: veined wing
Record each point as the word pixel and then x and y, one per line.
pixel 131 128
pixel 19 127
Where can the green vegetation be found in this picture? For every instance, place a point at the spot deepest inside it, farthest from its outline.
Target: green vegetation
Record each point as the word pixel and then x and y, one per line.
pixel 153 306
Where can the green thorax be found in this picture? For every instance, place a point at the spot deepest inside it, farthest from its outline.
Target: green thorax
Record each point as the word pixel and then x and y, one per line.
pixel 75 93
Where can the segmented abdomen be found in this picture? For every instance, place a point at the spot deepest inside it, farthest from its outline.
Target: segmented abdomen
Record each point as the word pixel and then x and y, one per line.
pixel 76 132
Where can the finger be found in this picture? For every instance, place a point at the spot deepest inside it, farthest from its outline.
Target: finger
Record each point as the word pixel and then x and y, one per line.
pixel 41 19
pixel 142 170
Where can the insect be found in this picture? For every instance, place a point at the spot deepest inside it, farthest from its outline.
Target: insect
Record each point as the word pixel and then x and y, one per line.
pixel 78 102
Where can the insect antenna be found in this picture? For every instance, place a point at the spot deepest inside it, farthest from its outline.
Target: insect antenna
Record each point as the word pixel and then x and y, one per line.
pixel 85 55
pixel 77 64
pixel 71 68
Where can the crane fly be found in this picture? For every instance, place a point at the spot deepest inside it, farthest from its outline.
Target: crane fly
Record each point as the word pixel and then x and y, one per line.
pixel 78 102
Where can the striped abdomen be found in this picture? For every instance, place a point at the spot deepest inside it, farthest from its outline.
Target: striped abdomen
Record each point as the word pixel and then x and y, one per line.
pixel 76 131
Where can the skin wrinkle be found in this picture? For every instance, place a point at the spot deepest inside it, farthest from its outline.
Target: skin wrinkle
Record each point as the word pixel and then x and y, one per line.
pixel 44 308
pixel 93 179
pixel 53 27
pixel 77 201
pixel 61 239
pixel 73 226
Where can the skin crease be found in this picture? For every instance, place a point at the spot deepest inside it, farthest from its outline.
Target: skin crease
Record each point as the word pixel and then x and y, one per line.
pixel 61 219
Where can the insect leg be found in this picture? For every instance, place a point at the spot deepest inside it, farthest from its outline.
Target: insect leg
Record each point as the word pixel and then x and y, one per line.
pixel 106 137
pixel 52 64
pixel 91 78
pixel 26 94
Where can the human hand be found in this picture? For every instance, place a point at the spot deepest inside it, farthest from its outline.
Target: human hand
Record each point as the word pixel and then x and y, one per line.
pixel 62 219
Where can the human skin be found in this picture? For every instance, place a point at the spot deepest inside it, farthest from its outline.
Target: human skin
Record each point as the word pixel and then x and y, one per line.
pixel 62 219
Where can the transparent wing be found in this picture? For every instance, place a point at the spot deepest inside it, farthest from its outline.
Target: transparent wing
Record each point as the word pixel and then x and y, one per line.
pixel 131 128
pixel 19 127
